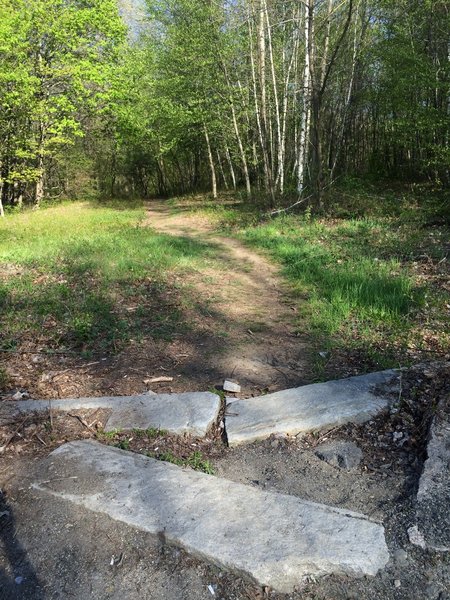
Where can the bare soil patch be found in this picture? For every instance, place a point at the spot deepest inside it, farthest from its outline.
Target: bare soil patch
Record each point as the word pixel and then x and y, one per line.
pixel 243 328
pixel 247 331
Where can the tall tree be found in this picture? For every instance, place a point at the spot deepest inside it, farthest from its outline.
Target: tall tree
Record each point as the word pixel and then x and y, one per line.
pixel 55 63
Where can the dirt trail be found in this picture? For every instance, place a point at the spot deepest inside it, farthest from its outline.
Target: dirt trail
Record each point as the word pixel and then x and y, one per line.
pixel 248 331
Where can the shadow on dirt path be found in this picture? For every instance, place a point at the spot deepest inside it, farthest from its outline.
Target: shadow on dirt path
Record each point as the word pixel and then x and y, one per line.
pixel 18 578
pixel 249 315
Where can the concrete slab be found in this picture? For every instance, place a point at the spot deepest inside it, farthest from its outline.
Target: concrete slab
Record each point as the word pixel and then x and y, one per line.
pixel 193 413
pixel 433 498
pixel 272 538
pixel 310 407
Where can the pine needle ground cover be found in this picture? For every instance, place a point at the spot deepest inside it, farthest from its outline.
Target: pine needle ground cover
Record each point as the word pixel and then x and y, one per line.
pixel 86 278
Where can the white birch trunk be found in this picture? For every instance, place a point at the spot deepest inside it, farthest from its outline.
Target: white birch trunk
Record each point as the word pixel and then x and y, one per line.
pixel 261 133
pixel 275 96
pixel 211 164
pixel 285 111
pixel 238 138
pixel 230 165
pixel 306 105
pixel 222 172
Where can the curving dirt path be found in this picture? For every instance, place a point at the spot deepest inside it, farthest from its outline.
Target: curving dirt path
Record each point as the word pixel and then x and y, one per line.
pixel 247 332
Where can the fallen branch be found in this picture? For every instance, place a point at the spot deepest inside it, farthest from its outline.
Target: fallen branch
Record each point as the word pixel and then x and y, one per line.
pixel 280 210
pixel 82 421
pixel 13 435
pixel 159 380
pixel 40 439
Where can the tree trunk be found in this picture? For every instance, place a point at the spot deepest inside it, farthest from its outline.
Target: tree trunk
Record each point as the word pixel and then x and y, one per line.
pixel 306 104
pixel 275 96
pixel 39 189
pixel 224 178
pixel 238 135
pixel 2 212
pixel 211 164
pixel 316 151
pixel 258 112
pixel 230 164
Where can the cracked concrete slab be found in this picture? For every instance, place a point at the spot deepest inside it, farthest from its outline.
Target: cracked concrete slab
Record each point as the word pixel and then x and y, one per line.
pixel 193 412
pixel 310 407
pixel 272 538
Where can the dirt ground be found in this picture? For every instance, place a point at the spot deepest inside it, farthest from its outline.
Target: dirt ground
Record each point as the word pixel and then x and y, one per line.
pixel 245 330
pixel 52 550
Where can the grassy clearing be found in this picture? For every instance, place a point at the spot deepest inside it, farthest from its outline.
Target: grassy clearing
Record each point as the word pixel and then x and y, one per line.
pixel 372 287
pixel 87 278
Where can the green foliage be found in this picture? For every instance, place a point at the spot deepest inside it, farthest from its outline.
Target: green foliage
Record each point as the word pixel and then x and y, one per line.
pixel 150 433
pixel 123 444
pixel 79 277
pixel 108 435
pixel 195 461
pixel 56 60
pixel 358 279
pixel 342 270
pixel 3 378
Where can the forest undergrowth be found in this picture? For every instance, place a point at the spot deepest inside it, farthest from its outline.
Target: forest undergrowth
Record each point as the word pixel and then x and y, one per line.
pixel 371 274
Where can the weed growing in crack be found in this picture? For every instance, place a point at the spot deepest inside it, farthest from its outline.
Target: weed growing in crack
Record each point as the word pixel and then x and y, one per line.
pixel 195 461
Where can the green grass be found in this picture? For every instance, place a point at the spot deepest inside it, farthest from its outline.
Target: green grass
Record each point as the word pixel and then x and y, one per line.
pixel 89 277
pixel 338 271
pixel 150 433
pixel 195 461
pixel 367 285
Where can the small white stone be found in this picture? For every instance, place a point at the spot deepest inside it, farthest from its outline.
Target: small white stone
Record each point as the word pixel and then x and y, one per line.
pixel 231 386
pixel 397 583
pixel 415 537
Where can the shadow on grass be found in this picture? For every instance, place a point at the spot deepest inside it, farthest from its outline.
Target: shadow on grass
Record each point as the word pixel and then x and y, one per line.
pixel 94 295
pixel 341 280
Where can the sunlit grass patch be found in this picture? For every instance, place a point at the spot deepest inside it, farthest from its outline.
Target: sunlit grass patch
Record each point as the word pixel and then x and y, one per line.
pixel 343 282
pixel 90 277
pixel 369 285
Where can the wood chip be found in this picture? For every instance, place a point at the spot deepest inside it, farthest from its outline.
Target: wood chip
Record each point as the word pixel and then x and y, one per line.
pixel 158 380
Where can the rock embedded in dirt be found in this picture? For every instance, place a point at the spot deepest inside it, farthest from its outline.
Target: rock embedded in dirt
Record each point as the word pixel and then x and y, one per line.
pixel 339 453
pixel 231 386
pixel 274 539
pixel 433 497
pixel 311 407
pixel 400 556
